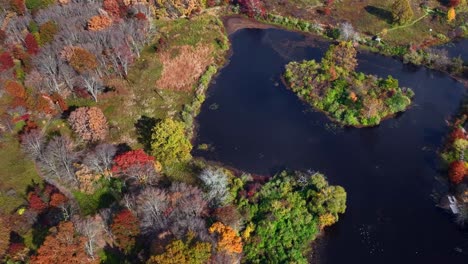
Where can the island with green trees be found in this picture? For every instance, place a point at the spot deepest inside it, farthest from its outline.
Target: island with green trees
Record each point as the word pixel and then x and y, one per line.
pixel 349 97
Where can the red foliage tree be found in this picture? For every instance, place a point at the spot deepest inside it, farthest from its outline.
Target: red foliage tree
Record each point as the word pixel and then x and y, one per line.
pixel 112 7
pixel 140 16
pixel 453 3
pixel 457 171
pixel 18 6
pixel 6 61
pixel 57 199
pixel 252 7
pixel 31 44
pixel 36 203
pixel 125 228
pixel 58 99
pixel 457 133
pixel 131 158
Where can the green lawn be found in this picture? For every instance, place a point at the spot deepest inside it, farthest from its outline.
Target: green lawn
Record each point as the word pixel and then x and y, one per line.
pixel 17 172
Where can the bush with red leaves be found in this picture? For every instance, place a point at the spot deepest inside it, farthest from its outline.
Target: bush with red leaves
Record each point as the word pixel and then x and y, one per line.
pixel 31 44
pixel 36 203
pixel 457 133
pixel 6 61
pixel 457 171
pixel 453 3
pixel 131 158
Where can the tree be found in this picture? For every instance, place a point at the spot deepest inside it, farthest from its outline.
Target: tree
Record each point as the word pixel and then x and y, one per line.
pixel 4 235
pixel 47 32
pixel 451 14
pixel 18 6
pixel 101 158
pixel 93 230
pixel 252 7
pixel 169 143
pixel 180 252
pixel 402 12
pixel 347 31
pixel 89 123
pixel 453 3
pixel 56 161
pixel 31 44
pixel 32 143
pixel 343 57
pixel 63 245
pixel 457 171
pixel 177 8
pixel 36 203
pixel 178 210
pixel 228 240
pixel 112 7
pixel 216 184
pixel 137 164
pixel 82 60
pixel 97 23
pixel 125 230
pixel 6 61
pixel 92 84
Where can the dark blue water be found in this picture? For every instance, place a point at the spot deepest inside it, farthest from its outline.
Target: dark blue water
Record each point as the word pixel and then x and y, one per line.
pixel 458 48
pixel 388 171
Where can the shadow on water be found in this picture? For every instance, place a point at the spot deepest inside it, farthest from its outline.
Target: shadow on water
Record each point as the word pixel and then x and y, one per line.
pixel 389 171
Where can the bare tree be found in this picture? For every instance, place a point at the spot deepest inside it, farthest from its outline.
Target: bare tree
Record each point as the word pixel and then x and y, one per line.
pixel 100 160
pixel 152 204
pixel 93 84
pixel 216 183
pixel 93 229
pixel 32 144
pixel 347 31
pixel 57 160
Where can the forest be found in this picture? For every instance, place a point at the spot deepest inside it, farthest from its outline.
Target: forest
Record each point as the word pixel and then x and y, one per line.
pixel 98 107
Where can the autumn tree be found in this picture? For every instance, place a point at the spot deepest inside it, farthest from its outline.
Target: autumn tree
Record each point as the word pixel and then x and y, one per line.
pixel 4 235
pixel 47 32
pixel 342 57
pixel 112 7
pixel 184 252
pixel 402 12
pixel 252 7
pixel 18 6
pixel 451 14
pixel 125 229
pixel 457 171
pixel 177 8
pixel 6 61
pixel 81 59
pixel 63 245
pixel 15 89
pixel 100 22
pixel 36 203
pixel 169 142
pixel 137 164
pixel 228 240
pixel 31 44
pixel 453 3
pixel 89 123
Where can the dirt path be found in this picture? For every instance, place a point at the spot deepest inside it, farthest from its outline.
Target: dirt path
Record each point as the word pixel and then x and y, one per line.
pixel 236 22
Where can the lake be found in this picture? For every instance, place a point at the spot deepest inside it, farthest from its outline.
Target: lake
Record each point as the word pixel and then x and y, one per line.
pixel 390 172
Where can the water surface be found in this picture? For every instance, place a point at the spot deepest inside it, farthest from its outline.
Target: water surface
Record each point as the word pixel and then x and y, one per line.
pixel 388 171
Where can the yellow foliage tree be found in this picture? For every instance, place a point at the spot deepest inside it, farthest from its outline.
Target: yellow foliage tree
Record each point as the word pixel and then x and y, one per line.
pixel 326 220
pixel 451 14
pixel 229 241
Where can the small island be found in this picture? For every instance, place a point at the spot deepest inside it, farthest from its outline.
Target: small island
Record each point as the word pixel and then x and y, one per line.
pixel 351 98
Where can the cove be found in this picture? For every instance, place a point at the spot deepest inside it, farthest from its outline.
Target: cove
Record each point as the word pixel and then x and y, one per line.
pixel 255 124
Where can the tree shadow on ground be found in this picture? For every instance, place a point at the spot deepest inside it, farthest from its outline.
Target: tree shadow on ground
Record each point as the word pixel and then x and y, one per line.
pixel 380 13
pixel 144 127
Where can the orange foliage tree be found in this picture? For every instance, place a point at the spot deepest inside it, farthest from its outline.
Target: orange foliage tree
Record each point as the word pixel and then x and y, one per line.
pixel 457 171
pixel 63 245
pixel 100 22
pixel 15 89
pixel 81 59
pixel 228 241
pixel 451 14
pixel 89 123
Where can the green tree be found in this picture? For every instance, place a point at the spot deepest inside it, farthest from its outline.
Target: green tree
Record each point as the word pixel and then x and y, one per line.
pixel 286 216
pixel 402 12
pixel 169 143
